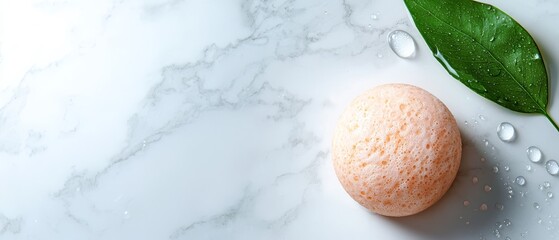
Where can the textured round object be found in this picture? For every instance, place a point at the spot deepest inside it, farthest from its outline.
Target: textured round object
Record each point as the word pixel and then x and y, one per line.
pixel 396 149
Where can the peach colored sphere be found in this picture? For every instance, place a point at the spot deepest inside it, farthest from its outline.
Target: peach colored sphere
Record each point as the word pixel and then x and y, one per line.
pixel 396 149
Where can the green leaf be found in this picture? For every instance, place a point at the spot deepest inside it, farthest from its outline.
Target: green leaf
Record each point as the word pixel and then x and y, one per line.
pixel 486 50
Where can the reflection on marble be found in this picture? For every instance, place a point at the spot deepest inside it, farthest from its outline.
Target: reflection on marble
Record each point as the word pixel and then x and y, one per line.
pixel 212 120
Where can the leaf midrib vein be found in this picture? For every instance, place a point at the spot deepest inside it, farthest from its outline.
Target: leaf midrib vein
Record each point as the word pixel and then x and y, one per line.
pixel 490 53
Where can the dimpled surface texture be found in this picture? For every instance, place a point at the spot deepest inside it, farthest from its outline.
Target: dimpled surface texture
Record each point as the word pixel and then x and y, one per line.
pixel 396 149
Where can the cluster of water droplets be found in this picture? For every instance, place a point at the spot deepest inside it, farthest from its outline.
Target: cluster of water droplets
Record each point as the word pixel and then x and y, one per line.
pixel 500 226
pixel 535 155
pixel 515 186
pixel 507 133
pixel 403 45
pixel 374 17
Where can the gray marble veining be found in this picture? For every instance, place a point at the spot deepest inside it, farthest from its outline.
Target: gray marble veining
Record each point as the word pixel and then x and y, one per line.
pixel 212 120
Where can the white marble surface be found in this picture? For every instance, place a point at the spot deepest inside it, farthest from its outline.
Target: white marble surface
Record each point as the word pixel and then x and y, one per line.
pixel 212 119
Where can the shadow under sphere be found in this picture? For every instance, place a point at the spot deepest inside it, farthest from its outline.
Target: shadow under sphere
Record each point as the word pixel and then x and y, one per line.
pixel 467 209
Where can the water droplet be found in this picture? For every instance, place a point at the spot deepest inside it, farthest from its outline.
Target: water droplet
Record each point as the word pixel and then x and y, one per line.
pixel 495 169
pixel 536 56
pixel 492 39
pixel 510 191
pixel 474 180
pixel 482 117
pixel 374 16
pixel 499 225
pixel 483 207
pixel 507 168
pixel 546 184
pixel 370 26
pixel 520 180
pixel 467 222
pixel 534 154
pixel 487 188
pixel 466 203
pixel 549 194
pixel 497 233
pixel 499 206
pixel 506 132
pixel 401 43
pixel 537 206
pixel 507 222
pixel 524 234
pixel 325 12
pixel 552 167
pixel 379 55
pixel 540 221
pixel 529 168
pixel 507 238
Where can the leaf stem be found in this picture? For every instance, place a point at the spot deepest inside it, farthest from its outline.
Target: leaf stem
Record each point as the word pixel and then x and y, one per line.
pixel 552 121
